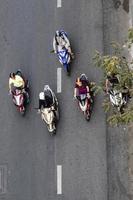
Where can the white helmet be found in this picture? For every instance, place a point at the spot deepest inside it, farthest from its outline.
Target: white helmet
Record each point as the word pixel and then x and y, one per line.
pixel 83 77
pixel 46 87
pixel 57 33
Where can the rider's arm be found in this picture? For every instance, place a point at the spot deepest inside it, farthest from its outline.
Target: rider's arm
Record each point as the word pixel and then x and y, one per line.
pixel 107 84
pixel 10 83
pixel 54 45
pixel 20 80
pixel 40 103
pixel 55 99
pixel 88 89
pixel 23 83
pixel 66 40
pixel 75 92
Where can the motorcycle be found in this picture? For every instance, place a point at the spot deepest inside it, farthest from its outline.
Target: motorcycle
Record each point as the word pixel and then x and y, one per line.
pixel 64 56
pixel 20 97
pixel 85 103
pixel 117 99
pixel 51 115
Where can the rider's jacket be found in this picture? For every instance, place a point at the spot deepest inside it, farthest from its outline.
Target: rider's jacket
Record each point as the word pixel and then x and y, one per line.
pixel 16 82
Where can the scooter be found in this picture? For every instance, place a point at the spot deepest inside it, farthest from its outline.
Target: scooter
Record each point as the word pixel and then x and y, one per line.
pixel 85 103
pixel 20 96
pixel 50 115
pixel 20 99
pixel 64 56
pixel 117 99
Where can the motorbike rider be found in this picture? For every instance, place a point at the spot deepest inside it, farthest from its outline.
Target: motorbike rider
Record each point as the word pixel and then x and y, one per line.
pixel 111 81
pixel 47 99
pixel 82 86
pixel 16 81
pixel 60 41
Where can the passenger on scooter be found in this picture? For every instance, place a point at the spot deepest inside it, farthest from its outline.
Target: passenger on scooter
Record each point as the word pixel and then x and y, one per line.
pixel 81 86
pixel 60 41
pixel 16 81
pixel 47 99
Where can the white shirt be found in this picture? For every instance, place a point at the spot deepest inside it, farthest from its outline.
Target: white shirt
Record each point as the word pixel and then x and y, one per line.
pixel 62 43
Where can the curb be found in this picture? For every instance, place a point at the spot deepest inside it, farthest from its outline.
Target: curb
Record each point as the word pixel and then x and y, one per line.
pixel 130 129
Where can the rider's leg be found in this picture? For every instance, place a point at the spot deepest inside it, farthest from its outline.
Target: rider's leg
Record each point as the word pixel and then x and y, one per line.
pixel 70 51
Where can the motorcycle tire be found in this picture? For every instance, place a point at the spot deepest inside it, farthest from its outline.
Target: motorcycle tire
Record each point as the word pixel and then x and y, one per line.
pixel 68 70
pixel 22 113
pixel 53 132
pixel 87 116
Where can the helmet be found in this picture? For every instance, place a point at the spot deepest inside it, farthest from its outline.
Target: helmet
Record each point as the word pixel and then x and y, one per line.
pixel 12 75
pixel 46 88
pixel 109 73
pixel 83 77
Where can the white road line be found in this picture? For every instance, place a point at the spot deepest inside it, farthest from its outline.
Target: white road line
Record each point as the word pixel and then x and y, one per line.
pixel 0 179
pixel 59 179
pixel 59 3
pixel 59 80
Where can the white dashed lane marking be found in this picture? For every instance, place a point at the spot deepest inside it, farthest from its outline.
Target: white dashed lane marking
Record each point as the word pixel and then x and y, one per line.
pixel 59 179
pixel 59 3
pixel 59 70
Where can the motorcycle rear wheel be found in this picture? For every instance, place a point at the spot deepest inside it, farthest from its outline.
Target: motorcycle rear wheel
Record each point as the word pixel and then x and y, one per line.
pixel 68 70
pixel 87 116
pixel 22 113
pixel 53 132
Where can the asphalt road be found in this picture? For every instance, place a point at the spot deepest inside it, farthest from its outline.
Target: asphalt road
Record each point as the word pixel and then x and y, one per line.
pixel 30 154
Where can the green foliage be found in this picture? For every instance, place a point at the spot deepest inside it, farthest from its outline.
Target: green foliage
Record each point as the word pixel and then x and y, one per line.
pixel 106 105
pixel 118 65
pixel 115 119
pixel 95 88
pixel 121 118
pixel 130 37
pixel 107 63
